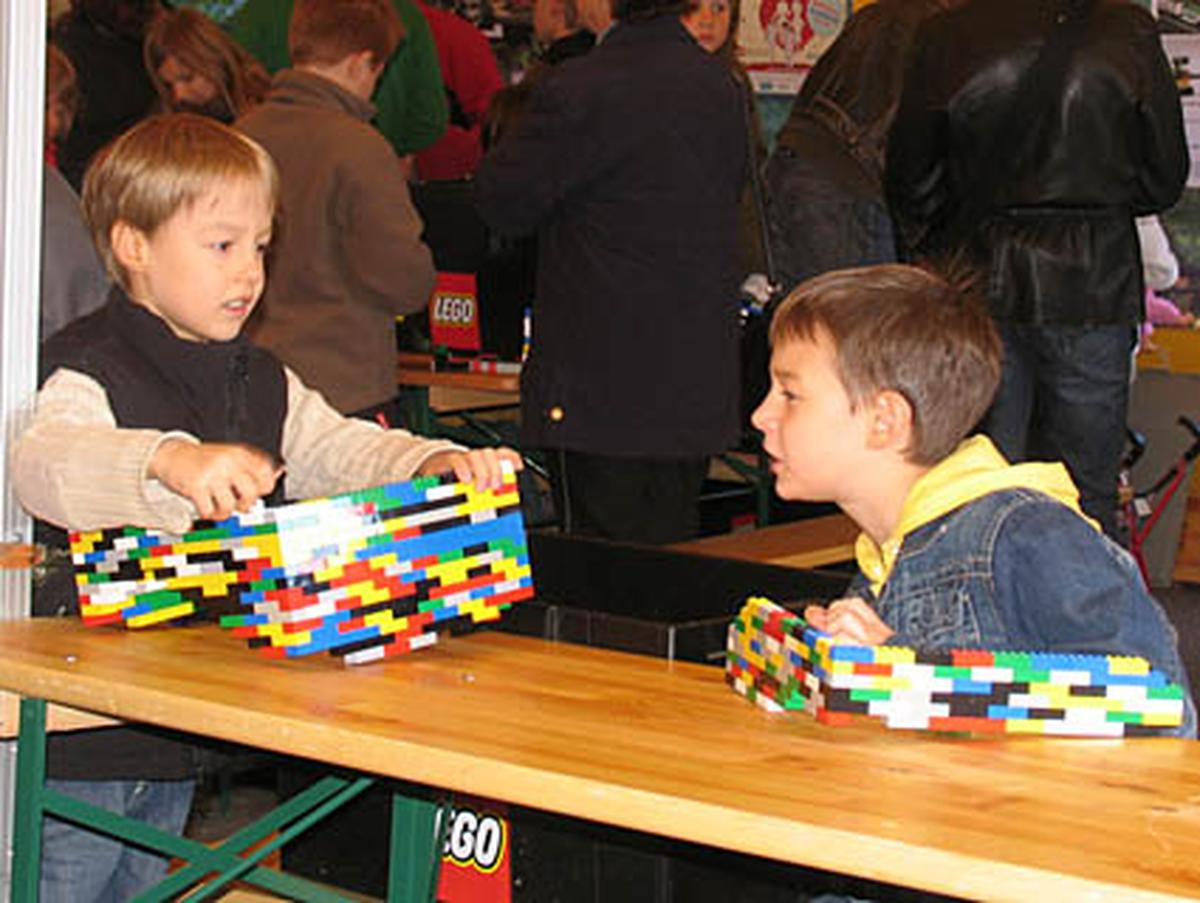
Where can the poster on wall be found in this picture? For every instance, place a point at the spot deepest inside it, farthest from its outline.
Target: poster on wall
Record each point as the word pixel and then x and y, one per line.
pixel 780 39
pixel 1183 50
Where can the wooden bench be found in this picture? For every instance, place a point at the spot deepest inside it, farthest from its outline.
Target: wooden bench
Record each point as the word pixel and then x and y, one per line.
pixel 811 543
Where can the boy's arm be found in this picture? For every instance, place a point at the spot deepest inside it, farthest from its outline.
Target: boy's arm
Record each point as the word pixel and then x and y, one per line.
pixel 326 453
pixel 74 467
pixel 1076 593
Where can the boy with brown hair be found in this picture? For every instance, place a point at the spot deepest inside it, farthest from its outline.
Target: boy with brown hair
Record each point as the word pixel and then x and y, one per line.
pixel 878 375
pixel 155 410
pixel 349 258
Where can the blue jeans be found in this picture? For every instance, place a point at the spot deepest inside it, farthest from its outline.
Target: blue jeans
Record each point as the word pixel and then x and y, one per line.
pixel 79 866
pixel 1064 396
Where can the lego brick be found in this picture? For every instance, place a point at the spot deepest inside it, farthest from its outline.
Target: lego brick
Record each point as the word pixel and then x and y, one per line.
pixel 781 663
pixel 363 575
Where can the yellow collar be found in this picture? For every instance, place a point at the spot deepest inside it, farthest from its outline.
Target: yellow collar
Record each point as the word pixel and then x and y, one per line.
pixel 972 470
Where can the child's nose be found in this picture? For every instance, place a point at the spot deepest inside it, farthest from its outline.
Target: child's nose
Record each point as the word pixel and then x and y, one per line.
pixel 761 417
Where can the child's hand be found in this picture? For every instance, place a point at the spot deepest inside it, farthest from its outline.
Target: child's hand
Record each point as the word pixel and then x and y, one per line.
pixel 480 466
pixel 849 620
pixel 218 479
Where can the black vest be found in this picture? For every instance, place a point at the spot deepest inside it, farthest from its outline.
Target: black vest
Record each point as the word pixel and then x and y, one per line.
pixel 215 391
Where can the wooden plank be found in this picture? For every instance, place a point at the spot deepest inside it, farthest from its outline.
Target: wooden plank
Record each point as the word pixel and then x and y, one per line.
pixel 809 543
pixel 58 718
pixel 666 748
pixel 413 369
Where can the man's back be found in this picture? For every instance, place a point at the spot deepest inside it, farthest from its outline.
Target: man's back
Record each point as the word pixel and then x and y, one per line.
pixel 1102 142
pixel 634 199
pixel 347 258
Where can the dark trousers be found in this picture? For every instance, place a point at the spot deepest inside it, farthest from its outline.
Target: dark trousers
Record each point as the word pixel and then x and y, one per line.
pixel 654 501
pixel 1064 396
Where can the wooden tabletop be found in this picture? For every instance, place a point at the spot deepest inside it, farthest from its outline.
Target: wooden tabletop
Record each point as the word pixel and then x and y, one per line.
pixel 666 748
pixel 416 369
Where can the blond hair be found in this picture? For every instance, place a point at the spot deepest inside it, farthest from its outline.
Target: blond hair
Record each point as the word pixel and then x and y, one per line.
pixel 905 329
pixel 162 165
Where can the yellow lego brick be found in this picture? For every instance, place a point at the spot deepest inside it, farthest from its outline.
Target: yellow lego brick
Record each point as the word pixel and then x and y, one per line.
pixel 1162 719
pixel 1128 664
pixel 1014 726
pixel 162 614
pixel 895 655
pixel 105 608
pixel 329 574
pixel 380 619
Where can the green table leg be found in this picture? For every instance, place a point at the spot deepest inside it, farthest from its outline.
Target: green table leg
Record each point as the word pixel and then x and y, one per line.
pixel 27 813
pixel 418 832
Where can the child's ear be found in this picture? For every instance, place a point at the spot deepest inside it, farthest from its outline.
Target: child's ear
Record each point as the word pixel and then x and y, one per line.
pixel 891 421
pixel 130 246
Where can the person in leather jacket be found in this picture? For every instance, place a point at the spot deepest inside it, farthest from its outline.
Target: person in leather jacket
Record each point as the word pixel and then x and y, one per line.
pixel 825 200
pixel 1035 183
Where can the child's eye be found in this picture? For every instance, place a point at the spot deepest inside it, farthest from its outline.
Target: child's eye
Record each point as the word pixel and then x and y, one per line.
pixel 222 246
pixel 262 247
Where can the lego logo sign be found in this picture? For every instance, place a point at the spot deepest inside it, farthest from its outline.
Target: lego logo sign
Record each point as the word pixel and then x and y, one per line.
pixel 476 865
pixel 454 312
pixel 457 310
pixel 476 839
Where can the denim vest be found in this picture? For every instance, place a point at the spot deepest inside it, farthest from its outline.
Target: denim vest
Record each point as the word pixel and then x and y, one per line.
pixel 1017 571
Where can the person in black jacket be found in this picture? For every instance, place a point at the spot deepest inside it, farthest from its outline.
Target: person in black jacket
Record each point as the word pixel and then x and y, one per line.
pixel 1029 136
pixel 628 163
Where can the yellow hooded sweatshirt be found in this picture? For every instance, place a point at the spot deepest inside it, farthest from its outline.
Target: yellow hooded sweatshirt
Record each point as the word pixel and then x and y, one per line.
pixel 971 471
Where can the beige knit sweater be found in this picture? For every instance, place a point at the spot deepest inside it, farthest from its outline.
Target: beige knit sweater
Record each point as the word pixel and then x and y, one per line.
pixel 76 468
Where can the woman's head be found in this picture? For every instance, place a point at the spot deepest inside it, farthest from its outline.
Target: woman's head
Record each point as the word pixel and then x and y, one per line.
pixel 197 68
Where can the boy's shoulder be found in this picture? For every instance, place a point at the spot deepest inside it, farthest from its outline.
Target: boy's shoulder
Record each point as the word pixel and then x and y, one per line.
pixel 79 343
pixel 1016 515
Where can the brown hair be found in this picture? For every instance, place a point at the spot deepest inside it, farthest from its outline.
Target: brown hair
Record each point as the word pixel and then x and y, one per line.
pixel 62 89
pixel 162 165
pixel 905 329
pixel 328 31
pixel 197 43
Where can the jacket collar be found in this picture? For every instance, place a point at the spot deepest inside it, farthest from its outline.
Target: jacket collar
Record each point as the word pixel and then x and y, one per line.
pixel 307 89
pixel 656 30
pixel 972 470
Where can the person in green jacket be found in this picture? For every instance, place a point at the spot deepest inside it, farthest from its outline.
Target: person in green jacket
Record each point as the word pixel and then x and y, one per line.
pixel 410 100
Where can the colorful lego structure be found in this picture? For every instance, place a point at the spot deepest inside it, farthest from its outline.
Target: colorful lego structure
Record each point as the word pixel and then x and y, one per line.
pixel 362 575
pixel 778 661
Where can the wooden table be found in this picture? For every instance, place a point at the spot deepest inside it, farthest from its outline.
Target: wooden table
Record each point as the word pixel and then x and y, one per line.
pixel 665 748
pixel 428 394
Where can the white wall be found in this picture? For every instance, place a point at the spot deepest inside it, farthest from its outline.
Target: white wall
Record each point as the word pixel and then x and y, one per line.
pixel 22 66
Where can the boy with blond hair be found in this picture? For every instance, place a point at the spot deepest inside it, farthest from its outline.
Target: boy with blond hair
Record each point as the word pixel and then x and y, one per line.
pixel 156 410
pixel 878 375
pixel 349 257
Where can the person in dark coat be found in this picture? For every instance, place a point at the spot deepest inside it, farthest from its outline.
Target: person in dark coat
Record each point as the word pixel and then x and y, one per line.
pixel 1034 181
pixel 825 199
pixel 628 164
pixel 103 40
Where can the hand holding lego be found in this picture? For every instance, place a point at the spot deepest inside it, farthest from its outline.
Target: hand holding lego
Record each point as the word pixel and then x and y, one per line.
pixel 481 466
pixel 217 478
pixel 849 620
